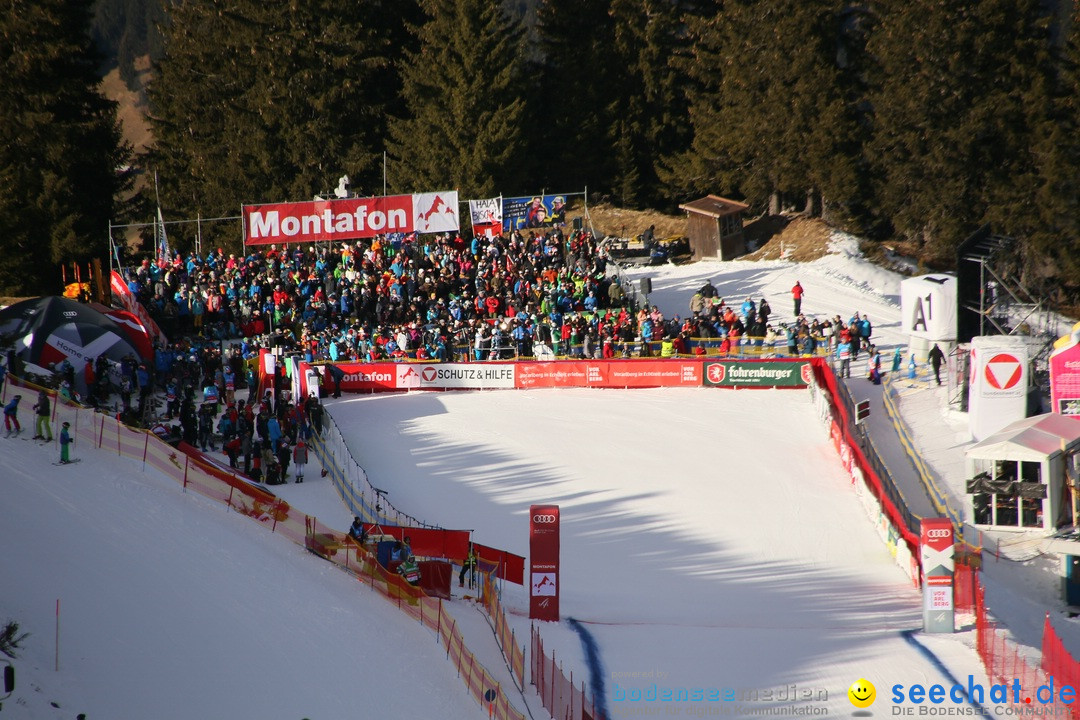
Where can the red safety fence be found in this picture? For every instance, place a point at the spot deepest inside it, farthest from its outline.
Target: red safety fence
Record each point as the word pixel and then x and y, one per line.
pixel 90 429
pixel 1058 663
pixel 559 695
pixel 1005 662
pixel 965 578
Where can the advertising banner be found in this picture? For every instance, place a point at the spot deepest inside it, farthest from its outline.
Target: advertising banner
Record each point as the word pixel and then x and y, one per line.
pixel 928 307
pixel 544 562
pixel 936 549
pixel 436 212
pixel 476 376
pixel 552 374
pixel 998 383
pixel 1065 380
pixel 486 216
pixel 367 377
pixel 349 218
pixel 644 373
pixel 761 373
pixel 537 211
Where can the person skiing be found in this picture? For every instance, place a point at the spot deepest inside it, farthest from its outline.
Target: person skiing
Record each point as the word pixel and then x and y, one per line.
pixel 11 416
pixel 65 443
pixel 41 426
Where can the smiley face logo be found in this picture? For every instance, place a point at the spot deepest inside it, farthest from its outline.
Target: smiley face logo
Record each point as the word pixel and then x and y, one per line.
pixel 862 693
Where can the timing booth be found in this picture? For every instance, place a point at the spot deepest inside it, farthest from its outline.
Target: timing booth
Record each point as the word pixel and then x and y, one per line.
pixel 1017 476
pixel 928 312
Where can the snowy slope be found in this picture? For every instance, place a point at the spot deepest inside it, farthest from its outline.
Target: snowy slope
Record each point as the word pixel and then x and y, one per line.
pixel 173 607
pixel 709 539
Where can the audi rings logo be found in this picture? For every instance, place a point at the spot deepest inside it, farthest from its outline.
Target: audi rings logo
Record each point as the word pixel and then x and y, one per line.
pixel 545 519
pixel 938 532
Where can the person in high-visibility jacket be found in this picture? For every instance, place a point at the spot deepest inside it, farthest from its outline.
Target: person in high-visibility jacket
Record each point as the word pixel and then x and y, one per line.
pixel 467 566
pixel 667 347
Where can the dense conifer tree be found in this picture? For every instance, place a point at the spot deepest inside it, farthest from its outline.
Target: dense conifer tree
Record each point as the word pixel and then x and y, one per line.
pixel 462 124
pixel 256 102
pixel 578 97
pixel 61 156
pixel 958 91
pixel 772 115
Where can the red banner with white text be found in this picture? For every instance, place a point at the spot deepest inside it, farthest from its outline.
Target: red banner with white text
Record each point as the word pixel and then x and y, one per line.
pixel 350 218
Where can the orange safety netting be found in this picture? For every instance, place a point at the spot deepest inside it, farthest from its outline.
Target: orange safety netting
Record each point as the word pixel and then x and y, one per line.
pixel 90 429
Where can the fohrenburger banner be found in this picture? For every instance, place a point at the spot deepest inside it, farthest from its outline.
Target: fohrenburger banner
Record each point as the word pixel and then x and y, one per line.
pixel 350 218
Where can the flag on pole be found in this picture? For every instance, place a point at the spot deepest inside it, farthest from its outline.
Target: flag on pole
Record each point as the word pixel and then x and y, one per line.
pixel 163 253
pixel 487 217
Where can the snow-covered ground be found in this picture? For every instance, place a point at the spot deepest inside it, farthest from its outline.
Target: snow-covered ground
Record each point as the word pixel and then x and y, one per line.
pixel 710 540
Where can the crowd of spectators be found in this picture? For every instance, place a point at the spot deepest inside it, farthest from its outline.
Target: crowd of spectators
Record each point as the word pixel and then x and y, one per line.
pixel 436 298
pixel 534 293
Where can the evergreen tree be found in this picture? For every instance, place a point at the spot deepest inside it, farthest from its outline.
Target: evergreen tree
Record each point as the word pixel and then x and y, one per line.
pixel 578 98
pixel 255 102
pixel 650 114
pixel 958 90
pixel 772 111
pixel 61 154
pixel 462 126
pixel 1041 198
pixel 125 30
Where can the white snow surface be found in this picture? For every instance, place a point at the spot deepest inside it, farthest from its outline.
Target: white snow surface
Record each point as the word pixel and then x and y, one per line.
pixel 710 539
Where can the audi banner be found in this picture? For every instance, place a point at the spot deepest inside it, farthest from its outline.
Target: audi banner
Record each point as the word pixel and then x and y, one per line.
pixel 350 218
pixel 544 562
pixel 936 542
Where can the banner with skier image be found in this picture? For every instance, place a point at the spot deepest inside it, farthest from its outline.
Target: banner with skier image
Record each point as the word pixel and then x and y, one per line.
pixel 486 217
pixel 538 211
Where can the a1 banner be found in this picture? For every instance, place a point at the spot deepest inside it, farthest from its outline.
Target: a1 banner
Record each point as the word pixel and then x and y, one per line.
pixel 544 562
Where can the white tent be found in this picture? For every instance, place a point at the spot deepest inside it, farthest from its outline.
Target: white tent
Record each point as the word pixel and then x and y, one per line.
pixel 1016 477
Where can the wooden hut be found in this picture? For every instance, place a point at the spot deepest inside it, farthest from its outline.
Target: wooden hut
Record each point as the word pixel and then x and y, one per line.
pixel 715 227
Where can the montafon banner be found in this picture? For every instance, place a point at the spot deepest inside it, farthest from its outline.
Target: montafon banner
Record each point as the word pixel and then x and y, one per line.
pixel 350 218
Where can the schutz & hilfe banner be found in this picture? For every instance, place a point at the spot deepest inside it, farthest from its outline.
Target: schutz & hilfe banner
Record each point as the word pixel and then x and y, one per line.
pixel 350 218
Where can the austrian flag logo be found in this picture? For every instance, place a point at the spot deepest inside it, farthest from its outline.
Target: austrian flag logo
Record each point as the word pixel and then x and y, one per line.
pixel 428 373
pixel 1003 371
